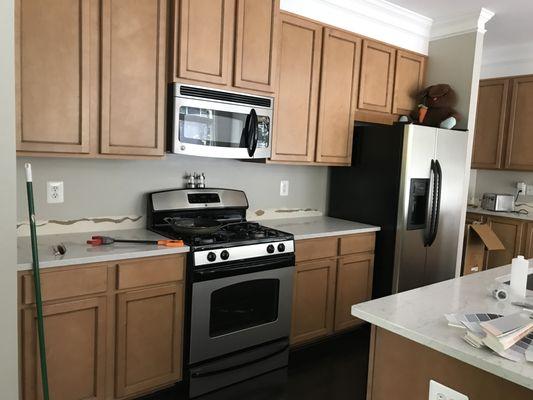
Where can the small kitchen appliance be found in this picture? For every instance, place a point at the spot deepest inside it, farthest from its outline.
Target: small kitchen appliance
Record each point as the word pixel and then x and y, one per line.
pixel 220 123
pixel 498 202
pixel 239 285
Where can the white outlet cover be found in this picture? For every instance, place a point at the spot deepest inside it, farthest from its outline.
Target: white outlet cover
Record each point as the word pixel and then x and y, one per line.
pixel 54 192
pixel 284 188
pixel 437 391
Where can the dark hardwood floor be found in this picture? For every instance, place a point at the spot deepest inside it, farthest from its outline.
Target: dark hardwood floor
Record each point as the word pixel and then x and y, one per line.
pixel 334 369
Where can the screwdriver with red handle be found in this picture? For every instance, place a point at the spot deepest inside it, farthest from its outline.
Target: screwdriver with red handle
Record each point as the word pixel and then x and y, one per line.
pixel 103 240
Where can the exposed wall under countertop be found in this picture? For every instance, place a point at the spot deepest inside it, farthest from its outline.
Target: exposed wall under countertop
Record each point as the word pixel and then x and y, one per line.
pixel 103 187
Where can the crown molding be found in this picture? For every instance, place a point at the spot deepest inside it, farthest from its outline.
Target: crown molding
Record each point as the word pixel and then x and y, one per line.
pixel 377 19
pixel 459 25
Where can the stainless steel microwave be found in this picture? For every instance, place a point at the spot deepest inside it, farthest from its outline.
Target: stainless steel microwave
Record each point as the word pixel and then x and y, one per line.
pixel 219 123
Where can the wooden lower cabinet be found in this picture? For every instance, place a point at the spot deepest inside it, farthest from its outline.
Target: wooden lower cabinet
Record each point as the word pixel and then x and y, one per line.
pixel 354 285
pixel 313 300
pixel 510 232
pixel 149 332
pixel 76 344
pixel 104 342
pixel 325 289
pixel 528 243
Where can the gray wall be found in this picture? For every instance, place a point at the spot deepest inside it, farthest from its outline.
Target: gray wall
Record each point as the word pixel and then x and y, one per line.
pixel 8 246
pixel 115 187
pixel 502 182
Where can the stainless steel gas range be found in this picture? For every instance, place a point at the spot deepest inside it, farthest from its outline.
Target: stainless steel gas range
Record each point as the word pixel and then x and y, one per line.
pixel 240 277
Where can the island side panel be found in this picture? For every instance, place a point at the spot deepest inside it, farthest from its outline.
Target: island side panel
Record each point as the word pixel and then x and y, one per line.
pixel 400 368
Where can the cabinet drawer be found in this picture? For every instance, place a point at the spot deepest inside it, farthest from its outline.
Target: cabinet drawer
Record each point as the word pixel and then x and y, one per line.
pixel 150 271
pixel 62 284
pixel 360 243
pixel 313 249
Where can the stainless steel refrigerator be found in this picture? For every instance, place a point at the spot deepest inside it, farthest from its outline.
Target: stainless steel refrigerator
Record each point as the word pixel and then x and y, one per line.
pixel 411 181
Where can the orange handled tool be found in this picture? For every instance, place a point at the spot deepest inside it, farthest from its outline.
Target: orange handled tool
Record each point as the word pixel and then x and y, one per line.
pixel 103 240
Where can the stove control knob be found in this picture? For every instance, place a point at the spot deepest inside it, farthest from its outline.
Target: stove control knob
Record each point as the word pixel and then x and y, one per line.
pixel 270 249
pixel 281 247
pixel 224 255
pixel 211 256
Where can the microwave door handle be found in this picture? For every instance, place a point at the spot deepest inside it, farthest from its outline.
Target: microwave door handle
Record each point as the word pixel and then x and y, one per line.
pixel 252 132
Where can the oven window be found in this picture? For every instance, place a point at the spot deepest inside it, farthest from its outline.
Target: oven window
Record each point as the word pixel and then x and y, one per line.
pixel 217 128
pixel 243 305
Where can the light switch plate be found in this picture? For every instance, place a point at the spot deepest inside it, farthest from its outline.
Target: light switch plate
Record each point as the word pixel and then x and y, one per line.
pixel 529 190
pixel 54 192
pixel 438 391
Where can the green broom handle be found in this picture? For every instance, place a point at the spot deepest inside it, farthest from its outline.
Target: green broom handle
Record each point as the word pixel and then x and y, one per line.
pixel 37 282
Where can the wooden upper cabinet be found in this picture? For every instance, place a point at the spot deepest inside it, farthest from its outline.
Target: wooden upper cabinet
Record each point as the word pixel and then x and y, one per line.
pixel 149 338
pixel 75 350
pixel 54 86
pixel 339 82
pixel 203 40
pixel 520 135
pixel 296 105
pixel 256 44
pixel 377 77
pixel 133 77
pixel 490 124
pixel 408 81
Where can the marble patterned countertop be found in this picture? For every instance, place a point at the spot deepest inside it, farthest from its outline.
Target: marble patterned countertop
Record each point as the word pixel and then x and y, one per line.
pixel 418 315
pixel 78 252
pixel 516 215
pixel 316 227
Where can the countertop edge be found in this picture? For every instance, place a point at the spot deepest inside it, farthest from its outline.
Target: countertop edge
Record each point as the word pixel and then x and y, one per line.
pixel 105 258
pixel 432 344
pixel 336 233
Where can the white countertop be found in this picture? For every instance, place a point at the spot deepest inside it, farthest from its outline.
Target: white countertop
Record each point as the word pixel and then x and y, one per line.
pixel 525 217
pixel 78 252
pixel 418 315
pixel 315 227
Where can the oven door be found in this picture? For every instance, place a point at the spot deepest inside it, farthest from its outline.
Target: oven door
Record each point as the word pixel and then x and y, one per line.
pixel 217 129
pixel 236 312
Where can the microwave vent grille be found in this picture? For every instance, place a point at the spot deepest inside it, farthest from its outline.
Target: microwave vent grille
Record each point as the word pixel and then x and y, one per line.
pixel 219 95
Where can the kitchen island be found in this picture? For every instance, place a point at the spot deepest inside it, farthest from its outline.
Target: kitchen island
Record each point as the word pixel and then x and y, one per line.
pixel 412 343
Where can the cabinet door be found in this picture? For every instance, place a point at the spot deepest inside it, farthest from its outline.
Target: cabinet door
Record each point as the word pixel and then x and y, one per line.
pixel 408 81
pixel 149 338
pixel 296 107
pixel 203 40
pixel 354 285
pixel 528 249
pixel 491 116
pixel 313 300
pixel 256 44
pixel 377 77
pixel 54 86
pixel 133 77
pixel 520 140
pixel 510 232
pixel 339 82
pixel 75 333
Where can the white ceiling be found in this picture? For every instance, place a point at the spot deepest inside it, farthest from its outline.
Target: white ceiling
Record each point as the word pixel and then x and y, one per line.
pixel 512 25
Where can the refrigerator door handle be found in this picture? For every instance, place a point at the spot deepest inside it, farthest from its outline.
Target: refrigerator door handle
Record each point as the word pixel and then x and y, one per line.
pixel 428 232
pixel 438 182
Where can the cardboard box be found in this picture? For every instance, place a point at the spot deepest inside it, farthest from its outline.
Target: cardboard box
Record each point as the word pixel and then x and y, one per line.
pixel 478 239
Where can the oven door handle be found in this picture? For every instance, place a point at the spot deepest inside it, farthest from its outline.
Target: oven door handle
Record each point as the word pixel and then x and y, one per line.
pixel 226 271
pixel 215 369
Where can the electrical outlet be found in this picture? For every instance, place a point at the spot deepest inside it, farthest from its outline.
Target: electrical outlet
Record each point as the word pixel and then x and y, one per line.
pixel 529 190
pixel 54 192
pixel 438 391
pixel 521 188
pixel 284 188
